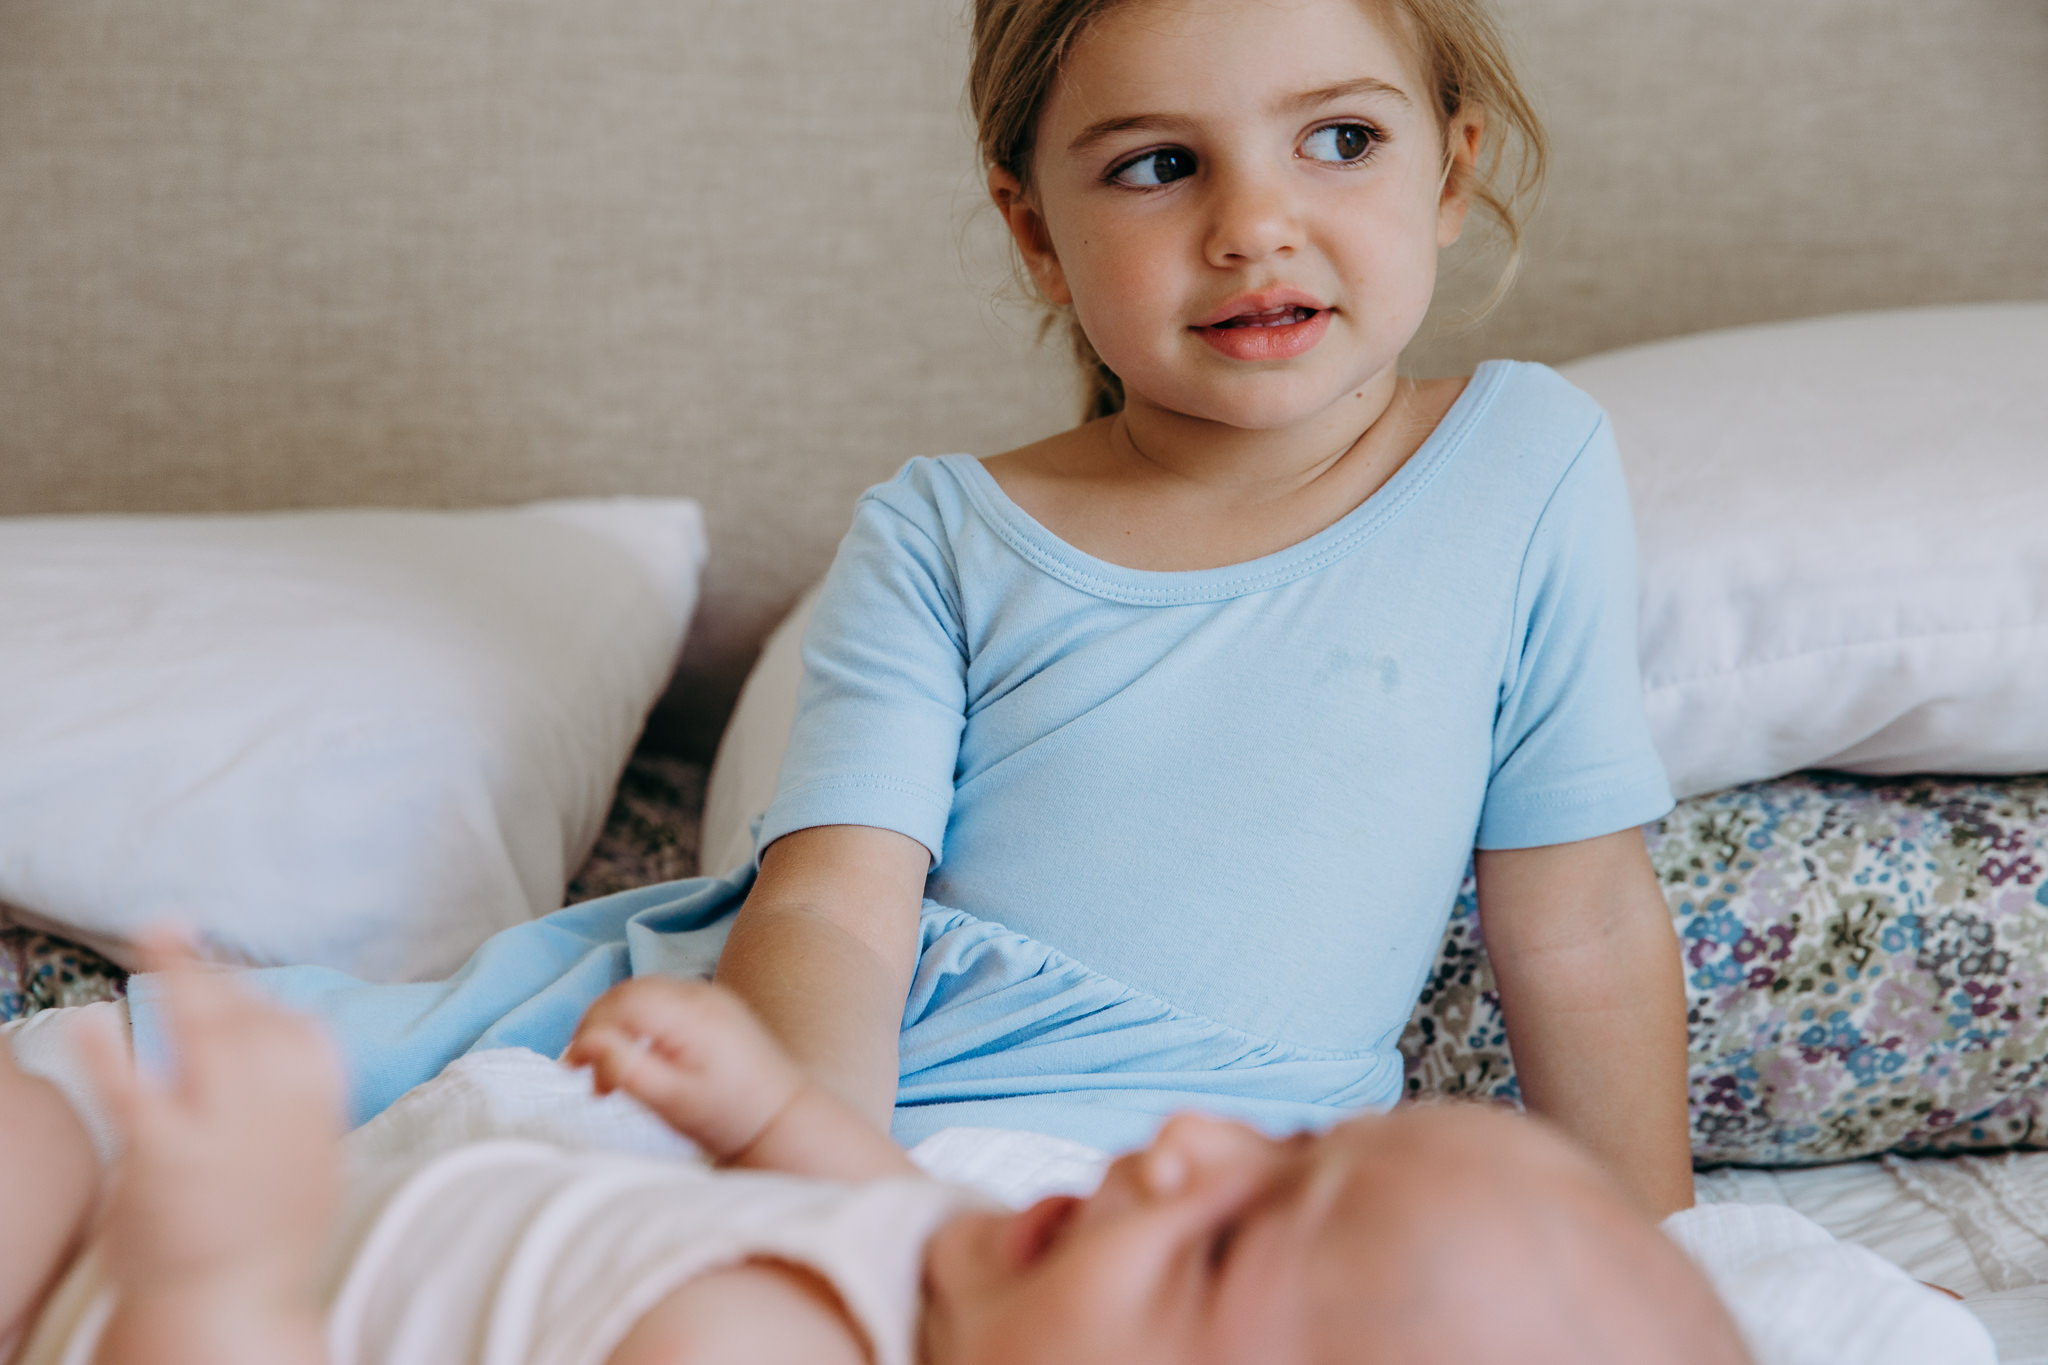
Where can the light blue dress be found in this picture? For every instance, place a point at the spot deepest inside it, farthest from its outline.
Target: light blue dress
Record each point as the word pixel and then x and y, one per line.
pixel 1195 835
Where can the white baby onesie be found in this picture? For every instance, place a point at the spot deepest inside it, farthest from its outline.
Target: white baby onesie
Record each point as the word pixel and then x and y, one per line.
pixel 511 1252
pixel 460 1248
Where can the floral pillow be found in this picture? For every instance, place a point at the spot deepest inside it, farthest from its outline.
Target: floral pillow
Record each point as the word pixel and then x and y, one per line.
pixel 39 971
pixel 1866 960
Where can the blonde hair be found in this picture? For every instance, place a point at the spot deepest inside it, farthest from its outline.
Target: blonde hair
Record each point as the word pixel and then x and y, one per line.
pixel 1019 46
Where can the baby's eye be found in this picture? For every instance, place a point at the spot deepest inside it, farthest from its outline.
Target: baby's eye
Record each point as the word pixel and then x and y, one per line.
pixel 1340 142
pixel 1219 1244
pixel 1162 167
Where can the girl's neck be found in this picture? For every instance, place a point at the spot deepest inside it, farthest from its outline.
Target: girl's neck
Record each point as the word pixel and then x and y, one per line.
pixel 1196 456
pixel 1152 489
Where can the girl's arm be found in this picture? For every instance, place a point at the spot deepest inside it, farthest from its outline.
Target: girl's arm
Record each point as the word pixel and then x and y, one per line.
pixel 824 950
pixel 1593 989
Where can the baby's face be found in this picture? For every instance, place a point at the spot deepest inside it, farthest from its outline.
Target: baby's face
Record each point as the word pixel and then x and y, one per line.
pixel 1193 1249
pixel 1446 1233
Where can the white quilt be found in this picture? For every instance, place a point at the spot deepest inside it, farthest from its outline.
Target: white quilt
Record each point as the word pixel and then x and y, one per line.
pixel 1976 1225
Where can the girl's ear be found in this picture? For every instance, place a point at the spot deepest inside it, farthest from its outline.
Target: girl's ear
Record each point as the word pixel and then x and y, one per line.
pixel 1461 165
pixel 1028 231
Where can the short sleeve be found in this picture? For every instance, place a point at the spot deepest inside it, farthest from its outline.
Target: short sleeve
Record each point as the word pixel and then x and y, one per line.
pixel 1572 756
pixel 882 703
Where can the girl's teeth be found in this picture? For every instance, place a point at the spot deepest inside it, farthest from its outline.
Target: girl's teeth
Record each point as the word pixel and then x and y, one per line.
pixel 1279 317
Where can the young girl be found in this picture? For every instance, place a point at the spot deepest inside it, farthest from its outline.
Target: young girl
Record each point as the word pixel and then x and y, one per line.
pixel 1136 769
pixel 509 1237
pixel 1190 717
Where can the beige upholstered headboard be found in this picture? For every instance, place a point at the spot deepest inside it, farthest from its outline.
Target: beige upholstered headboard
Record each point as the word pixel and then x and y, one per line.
pixel 263 253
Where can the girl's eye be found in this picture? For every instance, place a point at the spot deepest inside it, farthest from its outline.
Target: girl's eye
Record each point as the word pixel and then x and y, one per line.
pixel 1340 142
pixel 1162 167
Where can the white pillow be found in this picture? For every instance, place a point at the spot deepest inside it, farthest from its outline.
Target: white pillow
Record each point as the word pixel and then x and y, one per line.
pixel 743 774
pixel 1843 526
pixel 1844 541
pixel 367 739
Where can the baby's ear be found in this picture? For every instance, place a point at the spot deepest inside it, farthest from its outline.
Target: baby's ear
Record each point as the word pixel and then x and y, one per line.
pixel 1029 232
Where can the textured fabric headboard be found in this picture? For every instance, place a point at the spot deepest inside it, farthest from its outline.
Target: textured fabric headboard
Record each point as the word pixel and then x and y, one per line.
pixel 265 253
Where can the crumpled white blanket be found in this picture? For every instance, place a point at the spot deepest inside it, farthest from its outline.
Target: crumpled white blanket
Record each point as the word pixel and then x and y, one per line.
pixel 1801 1297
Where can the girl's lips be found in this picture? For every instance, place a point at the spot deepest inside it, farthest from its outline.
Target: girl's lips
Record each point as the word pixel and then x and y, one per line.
pixel 1033 1231
pixel 1275 334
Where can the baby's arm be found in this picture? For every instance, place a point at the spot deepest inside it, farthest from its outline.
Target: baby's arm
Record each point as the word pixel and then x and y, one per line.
pixel 1592 987
pixel 51 1181
pixel 227 1184
pixel 694 1053
pixel 824 950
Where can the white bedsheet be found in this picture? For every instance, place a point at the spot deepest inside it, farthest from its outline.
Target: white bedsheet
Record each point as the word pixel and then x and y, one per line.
pixel 1977 1225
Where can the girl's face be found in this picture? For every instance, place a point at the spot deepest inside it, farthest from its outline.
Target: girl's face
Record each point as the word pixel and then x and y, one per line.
pixel 1243 200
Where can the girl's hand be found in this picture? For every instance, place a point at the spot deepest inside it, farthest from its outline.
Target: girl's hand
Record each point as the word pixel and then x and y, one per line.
pixel 692 1052
pixel 230 1170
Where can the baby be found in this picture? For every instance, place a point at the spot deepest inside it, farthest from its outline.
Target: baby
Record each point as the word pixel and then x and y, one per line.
pixel 1447 1233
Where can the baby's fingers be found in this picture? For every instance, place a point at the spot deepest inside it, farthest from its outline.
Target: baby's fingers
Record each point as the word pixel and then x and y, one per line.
pixel 109 1061
pixel 617 1060
pixel 199 1002
pixel 225 1038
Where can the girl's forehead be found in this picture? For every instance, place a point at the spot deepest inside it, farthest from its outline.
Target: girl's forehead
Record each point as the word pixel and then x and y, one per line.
pixel 1151 43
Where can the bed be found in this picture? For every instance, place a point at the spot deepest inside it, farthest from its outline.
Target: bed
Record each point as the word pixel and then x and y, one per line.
pixel 1969 1212
pixel 338 288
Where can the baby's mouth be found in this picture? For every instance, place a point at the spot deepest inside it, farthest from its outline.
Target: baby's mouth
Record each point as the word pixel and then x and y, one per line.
pixel 1033 1232
pixel 1272 317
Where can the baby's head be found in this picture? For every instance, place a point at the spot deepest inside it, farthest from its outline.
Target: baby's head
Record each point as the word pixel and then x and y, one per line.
pixel 1064 92
pixel 1446 1233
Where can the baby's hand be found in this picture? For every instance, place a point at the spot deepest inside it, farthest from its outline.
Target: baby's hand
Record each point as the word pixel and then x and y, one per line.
pixel 692 1052
pixel 230 1170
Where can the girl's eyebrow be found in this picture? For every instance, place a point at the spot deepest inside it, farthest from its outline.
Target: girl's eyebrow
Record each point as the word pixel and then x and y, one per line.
pixel 1329 94
pixel 1129 123
pixel 1307 99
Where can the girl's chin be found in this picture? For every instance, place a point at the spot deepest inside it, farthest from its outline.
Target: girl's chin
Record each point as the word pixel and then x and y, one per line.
pixel 1250 403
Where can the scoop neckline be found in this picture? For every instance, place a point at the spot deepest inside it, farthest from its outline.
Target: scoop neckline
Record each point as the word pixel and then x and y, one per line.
pixel 1157 587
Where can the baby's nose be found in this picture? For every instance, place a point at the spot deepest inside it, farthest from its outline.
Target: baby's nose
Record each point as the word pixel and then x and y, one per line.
pixel 1163 1171
pixel 1189 1142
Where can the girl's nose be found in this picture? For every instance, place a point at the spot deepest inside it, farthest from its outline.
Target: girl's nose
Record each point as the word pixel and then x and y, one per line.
pixel 1251 218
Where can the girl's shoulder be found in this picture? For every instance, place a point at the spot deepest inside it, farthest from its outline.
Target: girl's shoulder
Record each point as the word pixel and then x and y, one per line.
pixel 926 492
pixel 1520 428
pixel 1527 399
pixel 1520 442
pixel 936 493
pixel 1076 454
